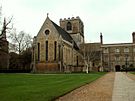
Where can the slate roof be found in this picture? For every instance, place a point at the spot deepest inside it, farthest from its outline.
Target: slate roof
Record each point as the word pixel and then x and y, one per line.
pixel 66 36
pixel 1 36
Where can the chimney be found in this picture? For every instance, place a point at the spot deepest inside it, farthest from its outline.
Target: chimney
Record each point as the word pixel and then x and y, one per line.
pixel 133 36
pixel 101 38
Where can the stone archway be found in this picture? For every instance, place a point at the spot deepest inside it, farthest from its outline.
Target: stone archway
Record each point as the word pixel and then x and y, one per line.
pixel 117 68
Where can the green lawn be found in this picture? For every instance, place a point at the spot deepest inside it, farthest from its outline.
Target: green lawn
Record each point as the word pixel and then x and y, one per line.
pixel 132 72
pixel 40 87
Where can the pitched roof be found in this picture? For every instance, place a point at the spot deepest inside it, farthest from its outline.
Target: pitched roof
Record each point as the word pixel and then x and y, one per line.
pixel 1 36
pixel 66 36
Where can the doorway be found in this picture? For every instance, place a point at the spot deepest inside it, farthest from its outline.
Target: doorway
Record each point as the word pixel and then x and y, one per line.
pixel 117 68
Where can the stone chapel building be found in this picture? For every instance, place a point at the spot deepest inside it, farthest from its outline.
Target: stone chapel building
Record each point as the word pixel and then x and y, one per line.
pixel 57 48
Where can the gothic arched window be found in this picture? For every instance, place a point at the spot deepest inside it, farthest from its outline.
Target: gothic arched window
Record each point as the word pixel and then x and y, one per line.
pixel 69 26
pixel 46 50
pixel 38 51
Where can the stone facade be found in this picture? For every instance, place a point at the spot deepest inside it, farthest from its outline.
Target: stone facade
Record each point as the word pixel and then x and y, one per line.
pixel 55 50
pixel 119 55
pixel 74 26
pixel 62 49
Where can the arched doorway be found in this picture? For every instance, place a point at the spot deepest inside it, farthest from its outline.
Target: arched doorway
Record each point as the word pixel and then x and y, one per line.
pixel 117 68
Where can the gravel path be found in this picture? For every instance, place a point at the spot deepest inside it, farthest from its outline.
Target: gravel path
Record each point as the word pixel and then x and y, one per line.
pixel 99 90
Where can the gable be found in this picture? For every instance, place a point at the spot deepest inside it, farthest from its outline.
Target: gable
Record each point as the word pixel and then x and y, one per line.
pixel 47 25
pixel 55 31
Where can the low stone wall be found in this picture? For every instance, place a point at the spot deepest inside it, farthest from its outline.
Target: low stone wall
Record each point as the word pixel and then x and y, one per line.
pixel 73 69
pixel 55 67
pixel 47 67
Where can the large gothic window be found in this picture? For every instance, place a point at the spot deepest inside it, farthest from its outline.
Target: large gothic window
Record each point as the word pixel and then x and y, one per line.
pixel 55 50
pixel 77 61
pixel 38 51
pixel 46 50
pixel 69 26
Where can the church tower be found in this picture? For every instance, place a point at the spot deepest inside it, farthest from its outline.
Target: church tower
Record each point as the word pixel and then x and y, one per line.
pixel 75 27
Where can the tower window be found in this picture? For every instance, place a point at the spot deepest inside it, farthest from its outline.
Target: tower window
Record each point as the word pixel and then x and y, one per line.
pixel 69 26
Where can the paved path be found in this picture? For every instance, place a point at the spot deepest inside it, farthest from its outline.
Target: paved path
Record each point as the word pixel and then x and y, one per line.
pixel 124 88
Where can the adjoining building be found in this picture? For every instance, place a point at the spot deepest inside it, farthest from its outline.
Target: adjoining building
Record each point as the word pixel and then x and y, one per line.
pixel 119 55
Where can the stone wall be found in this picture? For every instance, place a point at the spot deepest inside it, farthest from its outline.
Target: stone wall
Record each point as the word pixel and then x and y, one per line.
pixel 116 54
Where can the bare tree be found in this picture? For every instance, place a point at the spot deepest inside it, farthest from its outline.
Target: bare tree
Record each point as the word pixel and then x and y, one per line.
pixel 92 56
pixel 20 41
pixel 6 25
pixel 91 53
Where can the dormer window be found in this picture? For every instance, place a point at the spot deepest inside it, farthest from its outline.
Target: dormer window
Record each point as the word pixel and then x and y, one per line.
pixel 69 26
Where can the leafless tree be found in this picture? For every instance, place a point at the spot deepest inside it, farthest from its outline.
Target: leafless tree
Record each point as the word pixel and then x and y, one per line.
pixel 20 41
pixel 92 57
pixel 6 25
pixel 91 53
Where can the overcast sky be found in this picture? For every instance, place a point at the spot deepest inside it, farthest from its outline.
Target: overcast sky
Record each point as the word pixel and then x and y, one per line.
pixel 114 18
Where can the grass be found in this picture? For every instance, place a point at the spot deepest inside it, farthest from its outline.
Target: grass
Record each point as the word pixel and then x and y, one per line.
pixel 132 72
pixel 41 87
